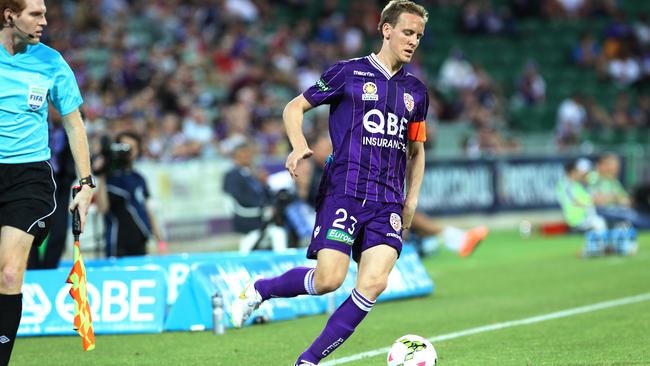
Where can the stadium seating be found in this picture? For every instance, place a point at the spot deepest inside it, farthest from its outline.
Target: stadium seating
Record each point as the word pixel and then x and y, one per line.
pixel 549 43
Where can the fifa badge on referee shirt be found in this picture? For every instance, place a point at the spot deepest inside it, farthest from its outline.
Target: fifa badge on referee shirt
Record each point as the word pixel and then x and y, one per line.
pixel 36 97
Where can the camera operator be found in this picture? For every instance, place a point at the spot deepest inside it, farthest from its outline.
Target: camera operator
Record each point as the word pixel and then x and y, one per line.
pixel 122 198
pixel 247 187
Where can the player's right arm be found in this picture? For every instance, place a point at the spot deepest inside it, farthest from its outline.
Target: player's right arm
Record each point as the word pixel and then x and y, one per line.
pixel 327 90
pixel 293 116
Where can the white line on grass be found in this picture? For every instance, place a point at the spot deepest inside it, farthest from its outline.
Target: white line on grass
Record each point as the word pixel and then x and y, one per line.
pixel 508 324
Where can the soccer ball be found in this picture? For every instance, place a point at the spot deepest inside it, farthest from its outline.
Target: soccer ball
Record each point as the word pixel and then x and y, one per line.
pixel 412 350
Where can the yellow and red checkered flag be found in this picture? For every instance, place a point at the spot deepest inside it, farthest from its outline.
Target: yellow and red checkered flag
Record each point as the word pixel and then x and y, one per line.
pixel 83 322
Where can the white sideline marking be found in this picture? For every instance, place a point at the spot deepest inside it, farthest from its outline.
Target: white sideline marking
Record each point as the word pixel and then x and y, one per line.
pixel 508 324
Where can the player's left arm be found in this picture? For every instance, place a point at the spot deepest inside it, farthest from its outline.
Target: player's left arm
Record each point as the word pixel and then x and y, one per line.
pixel 414 175
pixel 417 135
pixel 76 131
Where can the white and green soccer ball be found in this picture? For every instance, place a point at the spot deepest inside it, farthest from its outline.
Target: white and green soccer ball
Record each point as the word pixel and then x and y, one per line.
pixel 412 350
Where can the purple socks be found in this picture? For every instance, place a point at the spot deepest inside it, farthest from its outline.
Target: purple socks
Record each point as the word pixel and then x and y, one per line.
pixel 339 327
pixel 294 282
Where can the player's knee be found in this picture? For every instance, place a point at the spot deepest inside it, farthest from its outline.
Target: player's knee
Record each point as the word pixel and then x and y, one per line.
pixel 372 287
pixel 11 278
pixel 327 284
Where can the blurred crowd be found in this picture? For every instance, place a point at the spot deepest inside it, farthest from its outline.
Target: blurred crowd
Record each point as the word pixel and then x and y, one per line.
pixel 196 78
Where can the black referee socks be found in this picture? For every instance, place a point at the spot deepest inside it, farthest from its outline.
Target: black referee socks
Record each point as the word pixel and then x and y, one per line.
pixel 11 308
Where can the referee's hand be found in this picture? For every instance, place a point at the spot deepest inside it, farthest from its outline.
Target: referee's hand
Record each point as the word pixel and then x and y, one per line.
pixel 82 201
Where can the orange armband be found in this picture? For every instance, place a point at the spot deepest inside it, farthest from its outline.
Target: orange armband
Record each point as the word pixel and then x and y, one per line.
pixel 417 131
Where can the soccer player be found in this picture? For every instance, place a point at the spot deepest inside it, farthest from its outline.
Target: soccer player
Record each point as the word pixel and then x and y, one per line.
pixel 31 76
pixel 377 127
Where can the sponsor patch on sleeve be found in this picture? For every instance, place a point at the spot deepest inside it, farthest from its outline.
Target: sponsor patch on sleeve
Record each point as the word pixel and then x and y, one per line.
pixel 322 85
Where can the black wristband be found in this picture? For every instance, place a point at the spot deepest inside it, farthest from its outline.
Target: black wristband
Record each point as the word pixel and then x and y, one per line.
pixel 89 181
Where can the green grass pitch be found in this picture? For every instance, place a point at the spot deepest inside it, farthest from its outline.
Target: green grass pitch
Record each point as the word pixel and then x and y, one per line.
pixel 508 278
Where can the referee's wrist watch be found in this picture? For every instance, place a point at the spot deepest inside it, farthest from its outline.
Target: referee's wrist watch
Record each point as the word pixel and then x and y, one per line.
pixel 89 181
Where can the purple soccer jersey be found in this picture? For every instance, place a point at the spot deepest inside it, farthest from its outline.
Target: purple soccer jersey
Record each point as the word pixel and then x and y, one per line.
pixel 370 115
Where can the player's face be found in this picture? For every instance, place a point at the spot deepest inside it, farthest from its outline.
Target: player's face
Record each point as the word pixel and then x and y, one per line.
pixel 405 37
pixel 32 20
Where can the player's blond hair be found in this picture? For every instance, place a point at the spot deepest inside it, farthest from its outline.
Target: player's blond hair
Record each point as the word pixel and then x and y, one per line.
pixel 395 8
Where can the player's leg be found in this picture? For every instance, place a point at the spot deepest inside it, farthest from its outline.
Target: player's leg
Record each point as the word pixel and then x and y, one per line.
pixel 374 267
pixel 14 251
pixel 473 237
pixel 424 226
pixel 330 246
pixel 328 275
pixel 381 224
pixel 461 241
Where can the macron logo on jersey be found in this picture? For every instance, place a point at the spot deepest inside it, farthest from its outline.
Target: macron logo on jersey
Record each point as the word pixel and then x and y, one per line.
pixel 363 73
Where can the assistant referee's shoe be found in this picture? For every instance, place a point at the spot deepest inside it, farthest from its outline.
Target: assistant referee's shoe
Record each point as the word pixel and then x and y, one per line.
pixel 245 304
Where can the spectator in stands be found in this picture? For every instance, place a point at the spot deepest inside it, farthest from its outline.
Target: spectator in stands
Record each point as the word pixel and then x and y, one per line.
pixel 175 145
pixel 577 205
pixel 566 8
pixel 587 53
pixel 597 116
pixel 488 141
pixel 589 8
pixel 247 187
pixel 622 113
pixel 123 198
pixel 624 68
pixel 482 104
pixel 641 114
pixel 199 133
pixel 642 30
pixel 480 17
pixel 610 198
pixel 471 19
pixel 456 73
pixel 571 119
pixel 531 87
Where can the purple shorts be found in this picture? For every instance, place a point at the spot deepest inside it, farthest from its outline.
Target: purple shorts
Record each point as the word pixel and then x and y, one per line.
pixel 347 223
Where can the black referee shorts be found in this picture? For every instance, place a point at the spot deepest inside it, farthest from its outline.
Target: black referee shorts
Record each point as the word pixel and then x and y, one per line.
pixel 27 197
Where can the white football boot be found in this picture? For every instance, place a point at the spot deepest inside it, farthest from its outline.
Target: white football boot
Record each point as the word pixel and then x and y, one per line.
pixel 245 304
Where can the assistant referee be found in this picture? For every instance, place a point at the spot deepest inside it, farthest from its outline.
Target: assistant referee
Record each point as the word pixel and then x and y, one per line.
pixel 32 75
